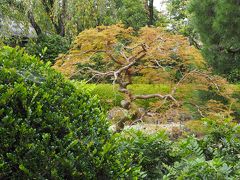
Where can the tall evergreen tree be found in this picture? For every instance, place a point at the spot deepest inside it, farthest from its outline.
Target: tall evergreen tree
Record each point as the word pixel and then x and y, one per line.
pixel 218 23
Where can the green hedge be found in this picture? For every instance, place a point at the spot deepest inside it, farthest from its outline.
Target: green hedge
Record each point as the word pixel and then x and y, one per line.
pixel 51 130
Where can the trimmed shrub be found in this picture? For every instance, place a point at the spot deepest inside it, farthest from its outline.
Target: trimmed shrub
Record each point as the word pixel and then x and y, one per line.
pixel 48 47
pixel 108 94
pixel 49 129
pixel 111 97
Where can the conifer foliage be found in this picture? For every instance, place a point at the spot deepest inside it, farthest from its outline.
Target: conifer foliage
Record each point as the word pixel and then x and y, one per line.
pixel 218 24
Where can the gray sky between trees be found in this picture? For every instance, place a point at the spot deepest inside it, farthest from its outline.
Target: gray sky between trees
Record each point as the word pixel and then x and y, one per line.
pixel 160 5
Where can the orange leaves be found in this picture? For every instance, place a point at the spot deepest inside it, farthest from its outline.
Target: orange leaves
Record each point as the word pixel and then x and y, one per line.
pixel 165 52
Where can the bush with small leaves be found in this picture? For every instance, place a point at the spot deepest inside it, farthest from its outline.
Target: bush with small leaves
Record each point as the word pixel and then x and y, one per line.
pixel 122 162
pixel 49 129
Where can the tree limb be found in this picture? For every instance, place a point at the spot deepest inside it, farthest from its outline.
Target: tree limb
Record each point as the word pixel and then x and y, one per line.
pixel 149 96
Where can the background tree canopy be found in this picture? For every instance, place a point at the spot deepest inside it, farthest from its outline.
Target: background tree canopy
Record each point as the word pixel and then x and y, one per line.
pixel 68 18
pixel 180 21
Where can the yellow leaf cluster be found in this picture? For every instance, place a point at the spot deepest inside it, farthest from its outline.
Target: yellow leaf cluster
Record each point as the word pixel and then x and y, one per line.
pixel 163 50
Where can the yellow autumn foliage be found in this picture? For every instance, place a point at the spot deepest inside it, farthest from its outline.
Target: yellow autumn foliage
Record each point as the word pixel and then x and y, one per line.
pixel 116 42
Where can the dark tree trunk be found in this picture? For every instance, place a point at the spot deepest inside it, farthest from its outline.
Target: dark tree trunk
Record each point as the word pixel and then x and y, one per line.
pixel 149 9
pixel 34 23
pixel 59 26
pixel 151 15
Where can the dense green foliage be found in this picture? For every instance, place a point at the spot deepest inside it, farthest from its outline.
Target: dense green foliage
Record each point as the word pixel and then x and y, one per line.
pixel 50 129
pixel 179 16
pixel 1 43
pixel 155 149
pixel 218 25
pixel 47 48
pixel 216 156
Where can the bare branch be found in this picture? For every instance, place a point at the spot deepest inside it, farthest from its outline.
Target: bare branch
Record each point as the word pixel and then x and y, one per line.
pixel 124 56
pixel 126 67
pixel 149 96
pixel 198 109
pixel 158 64
pixel 181 80
pixel 113 58
pixel 209 78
